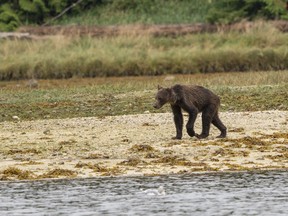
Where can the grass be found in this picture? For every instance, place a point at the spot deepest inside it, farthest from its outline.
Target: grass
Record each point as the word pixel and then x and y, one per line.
pixel 101 97
pixel 131 54
pixel 142 12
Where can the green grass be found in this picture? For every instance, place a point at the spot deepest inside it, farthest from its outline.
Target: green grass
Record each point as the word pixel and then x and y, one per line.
pixel 142 12
pixel 131 54
pixel 101 97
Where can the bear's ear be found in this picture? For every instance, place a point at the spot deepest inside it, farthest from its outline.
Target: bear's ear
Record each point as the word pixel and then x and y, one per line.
pixel 159 87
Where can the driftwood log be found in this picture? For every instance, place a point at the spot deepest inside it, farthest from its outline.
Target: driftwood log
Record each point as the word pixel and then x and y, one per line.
pixel 15 35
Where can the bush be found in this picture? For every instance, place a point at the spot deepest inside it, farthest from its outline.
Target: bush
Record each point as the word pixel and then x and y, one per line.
pixel 8 18
pixel 15 13
pixel 230 11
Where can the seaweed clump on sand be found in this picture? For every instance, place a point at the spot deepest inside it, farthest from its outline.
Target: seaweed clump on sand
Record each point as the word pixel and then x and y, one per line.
pixel 177 161
pixel 55 173
pixel 105 171
pixel 141 148
pixel 147 150
pixel 133 161
pixel 13 173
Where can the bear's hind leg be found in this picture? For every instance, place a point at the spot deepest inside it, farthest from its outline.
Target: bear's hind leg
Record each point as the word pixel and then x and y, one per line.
pixel 190 123
pixel 218 123
pixel 207 116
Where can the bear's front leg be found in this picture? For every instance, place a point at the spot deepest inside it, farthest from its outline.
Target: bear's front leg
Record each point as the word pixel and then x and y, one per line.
pixel 190 131
pixel 179 126
pixel 178 120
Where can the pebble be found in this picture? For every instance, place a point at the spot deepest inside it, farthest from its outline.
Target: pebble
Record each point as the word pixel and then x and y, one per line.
pixel 47 132
pixel 16 118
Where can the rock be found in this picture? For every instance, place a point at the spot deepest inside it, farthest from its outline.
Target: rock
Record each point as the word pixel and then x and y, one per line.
pixel 16 118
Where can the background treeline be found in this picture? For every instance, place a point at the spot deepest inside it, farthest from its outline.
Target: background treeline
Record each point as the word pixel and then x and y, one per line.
pixel 14 13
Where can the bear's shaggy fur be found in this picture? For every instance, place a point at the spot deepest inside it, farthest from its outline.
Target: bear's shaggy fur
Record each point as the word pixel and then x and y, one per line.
pixel 192 99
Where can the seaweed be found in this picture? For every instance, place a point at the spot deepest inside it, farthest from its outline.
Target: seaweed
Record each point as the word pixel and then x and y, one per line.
pixel 16 173
pixel 132 162
pixel 105 171
pixel 55 173
pixel 141 148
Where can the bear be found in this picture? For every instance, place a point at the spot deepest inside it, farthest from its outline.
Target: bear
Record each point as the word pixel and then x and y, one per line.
pixel 192 99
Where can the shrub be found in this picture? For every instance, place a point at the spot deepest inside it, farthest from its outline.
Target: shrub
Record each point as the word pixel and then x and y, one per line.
pixel 8 18
pixel 15 13
pixel 229 11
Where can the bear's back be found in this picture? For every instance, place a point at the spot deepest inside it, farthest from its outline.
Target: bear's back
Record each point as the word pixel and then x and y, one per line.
pixel 199 96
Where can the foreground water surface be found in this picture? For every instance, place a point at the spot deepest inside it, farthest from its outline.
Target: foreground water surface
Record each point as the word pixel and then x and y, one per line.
pixel 262 193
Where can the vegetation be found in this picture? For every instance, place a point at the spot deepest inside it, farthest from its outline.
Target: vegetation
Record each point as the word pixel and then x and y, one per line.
pixel 101 97
pixel 21 12
pixel 115 12
pixel 229 11
pixel 133 54
pixel 184 11
pixel 121 12
pixel 100 12
pixel 259 49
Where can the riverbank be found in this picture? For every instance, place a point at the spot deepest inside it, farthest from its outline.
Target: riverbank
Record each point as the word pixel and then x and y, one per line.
pixel 140 144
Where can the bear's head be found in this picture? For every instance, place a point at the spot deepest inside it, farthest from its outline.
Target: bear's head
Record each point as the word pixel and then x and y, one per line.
pixel 163 96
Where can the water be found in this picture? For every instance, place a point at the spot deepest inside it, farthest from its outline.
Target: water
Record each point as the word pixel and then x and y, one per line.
pixel 264 193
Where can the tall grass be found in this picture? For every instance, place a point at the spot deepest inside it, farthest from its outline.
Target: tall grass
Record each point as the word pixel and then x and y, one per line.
pixel 262 48
pixel 143 12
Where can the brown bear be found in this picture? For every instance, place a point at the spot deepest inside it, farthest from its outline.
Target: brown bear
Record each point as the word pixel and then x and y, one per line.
pixel 192 99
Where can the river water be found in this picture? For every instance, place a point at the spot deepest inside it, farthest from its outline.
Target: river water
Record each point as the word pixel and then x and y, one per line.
pixel 247 193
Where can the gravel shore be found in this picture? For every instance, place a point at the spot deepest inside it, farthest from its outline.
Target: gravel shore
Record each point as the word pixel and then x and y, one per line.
pixel 140 145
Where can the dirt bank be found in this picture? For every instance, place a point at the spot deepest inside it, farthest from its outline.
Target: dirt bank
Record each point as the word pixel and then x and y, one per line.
pixel 139 145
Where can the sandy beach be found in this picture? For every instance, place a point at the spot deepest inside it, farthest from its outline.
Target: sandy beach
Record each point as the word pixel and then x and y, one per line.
pixel 138 145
